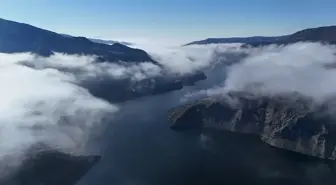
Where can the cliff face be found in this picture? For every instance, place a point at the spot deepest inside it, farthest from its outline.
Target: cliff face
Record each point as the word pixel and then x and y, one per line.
pixel 285 139
pixel 237 158
pixel 288 122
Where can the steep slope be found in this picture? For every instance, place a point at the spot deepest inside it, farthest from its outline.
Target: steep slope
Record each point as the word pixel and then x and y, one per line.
pixel 284 139
pixel 320 34
pixel 291 122
pixel 236 158
pixel 19 37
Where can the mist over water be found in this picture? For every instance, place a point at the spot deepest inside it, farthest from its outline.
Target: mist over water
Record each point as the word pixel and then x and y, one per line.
pixel 45 103
pixel 138 146
pixel 50 104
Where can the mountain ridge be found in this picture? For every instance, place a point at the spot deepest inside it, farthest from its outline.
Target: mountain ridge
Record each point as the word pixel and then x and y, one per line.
pixel 230 40
pixel 325 34
pixel 18 37
pixel 103 41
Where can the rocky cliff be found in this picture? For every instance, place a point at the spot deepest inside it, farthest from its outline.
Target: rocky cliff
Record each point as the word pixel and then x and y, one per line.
pixel 261 140
pixel 290 121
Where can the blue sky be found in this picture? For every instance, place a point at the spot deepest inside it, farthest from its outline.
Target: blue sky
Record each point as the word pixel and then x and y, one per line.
pixel 171 19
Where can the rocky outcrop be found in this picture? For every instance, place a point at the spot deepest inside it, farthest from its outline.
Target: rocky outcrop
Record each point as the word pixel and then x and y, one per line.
pixel 261 140
pixel 290 122
pixel 238 158
pixel 50 168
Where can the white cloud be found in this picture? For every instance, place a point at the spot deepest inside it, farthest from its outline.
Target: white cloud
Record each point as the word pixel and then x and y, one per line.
pixel 42 99
pixel 85 66
pixel 44 106
pixel 173 61
pixel 299 67
pixel 188 59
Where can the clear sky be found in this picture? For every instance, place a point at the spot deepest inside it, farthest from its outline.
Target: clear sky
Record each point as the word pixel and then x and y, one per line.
pixel 171 19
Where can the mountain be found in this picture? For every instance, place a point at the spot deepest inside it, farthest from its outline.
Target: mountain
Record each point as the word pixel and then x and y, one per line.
pixel 262 139
pixel 326 34
pixel 110 42
pixel 101 41
pixel 123 90
pixel 245 40
pixel 20 37
pixel 51 168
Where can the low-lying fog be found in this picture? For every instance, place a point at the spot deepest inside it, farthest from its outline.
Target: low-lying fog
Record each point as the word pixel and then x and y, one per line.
pixel 44 101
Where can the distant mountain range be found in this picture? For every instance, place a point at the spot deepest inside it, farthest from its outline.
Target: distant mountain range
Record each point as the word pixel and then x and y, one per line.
pixel 102 41
pixel 245 40
pixel 326 34
pixel 20 37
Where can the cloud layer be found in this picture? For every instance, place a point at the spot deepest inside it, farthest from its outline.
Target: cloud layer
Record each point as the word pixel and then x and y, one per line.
pixel 46 95
pixel 299 67
pixel 44 99
pixel 44 107
pixel 306 68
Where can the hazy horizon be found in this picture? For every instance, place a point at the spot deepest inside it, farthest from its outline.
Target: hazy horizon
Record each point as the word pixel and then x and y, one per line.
pixel 177 21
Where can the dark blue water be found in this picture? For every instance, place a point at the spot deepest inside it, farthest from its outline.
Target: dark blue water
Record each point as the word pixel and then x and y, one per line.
pixel 139 148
